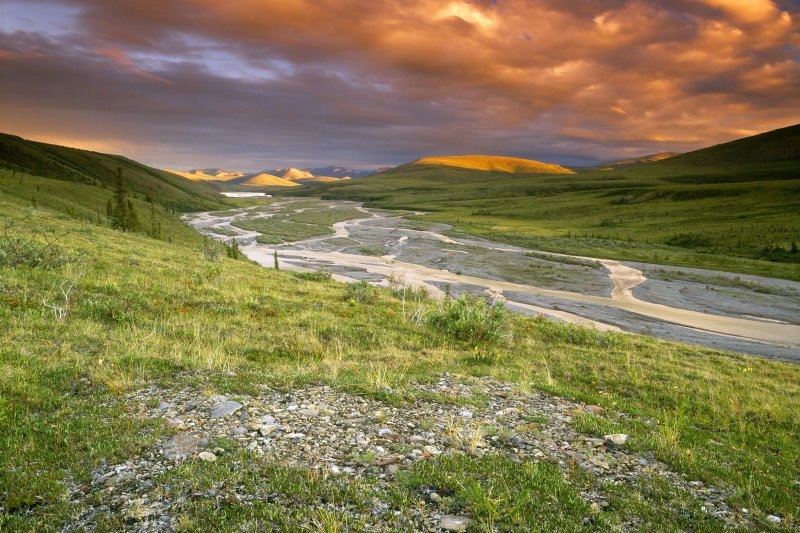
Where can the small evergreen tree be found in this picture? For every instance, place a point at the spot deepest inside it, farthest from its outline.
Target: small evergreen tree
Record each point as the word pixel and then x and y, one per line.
pixel 123 215
pixel 155 225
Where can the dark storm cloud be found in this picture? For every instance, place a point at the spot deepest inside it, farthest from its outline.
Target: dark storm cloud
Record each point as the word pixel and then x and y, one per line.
pixel 252 84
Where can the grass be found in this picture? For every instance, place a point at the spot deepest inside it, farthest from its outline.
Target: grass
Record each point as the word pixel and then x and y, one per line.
pixel 295 222
pixel 135 312
pixel 742 218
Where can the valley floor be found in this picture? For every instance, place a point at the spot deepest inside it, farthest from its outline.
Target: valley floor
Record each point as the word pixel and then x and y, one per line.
pixel 740 313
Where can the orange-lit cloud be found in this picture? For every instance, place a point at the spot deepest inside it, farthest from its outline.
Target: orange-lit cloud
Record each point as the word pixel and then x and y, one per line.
pixel 252 83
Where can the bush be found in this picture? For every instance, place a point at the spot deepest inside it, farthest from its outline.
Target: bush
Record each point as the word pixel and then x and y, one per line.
pixel 317 275
pixel 16 251
pixel 471 319
pixel 361 292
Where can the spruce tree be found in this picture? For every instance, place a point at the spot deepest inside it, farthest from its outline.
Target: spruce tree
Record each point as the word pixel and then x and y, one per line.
pixel 123 215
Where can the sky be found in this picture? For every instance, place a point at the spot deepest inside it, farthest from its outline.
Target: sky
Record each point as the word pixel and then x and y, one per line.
pixel 259 84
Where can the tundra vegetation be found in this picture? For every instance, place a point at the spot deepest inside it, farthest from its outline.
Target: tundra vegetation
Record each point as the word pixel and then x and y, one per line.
pixel 732 207
pixel 89 314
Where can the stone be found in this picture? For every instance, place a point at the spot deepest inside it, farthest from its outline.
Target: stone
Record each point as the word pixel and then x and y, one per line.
pixel 267 429
pixel 207 457
pixel 182 446
pixel 431 450
pixel 296 437
pixel 238 430
pixel 434 496
pixel 465 414
pixel 451 522
pixel 593 409
pixel 308 412
pixel 617 439
pixel 772 519
pixel 225 408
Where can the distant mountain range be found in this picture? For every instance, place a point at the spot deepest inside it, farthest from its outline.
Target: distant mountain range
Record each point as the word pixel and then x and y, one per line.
pixel 279 177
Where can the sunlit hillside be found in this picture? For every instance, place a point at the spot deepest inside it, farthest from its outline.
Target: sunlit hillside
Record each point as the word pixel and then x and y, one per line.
pixel 494 163
pixel 269 180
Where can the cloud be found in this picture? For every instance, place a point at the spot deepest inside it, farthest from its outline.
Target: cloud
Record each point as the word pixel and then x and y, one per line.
pixel 249 84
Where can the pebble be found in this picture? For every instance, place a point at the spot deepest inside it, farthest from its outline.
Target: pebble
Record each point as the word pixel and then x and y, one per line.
pixel 451 522
pixel 617 439
pixel 369 441
pixel 225 408
pixel 207 456
pixel 772 519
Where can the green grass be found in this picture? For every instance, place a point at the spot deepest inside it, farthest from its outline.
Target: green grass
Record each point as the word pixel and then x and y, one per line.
pixel 741 218
pixel 296 222
pixel 135 312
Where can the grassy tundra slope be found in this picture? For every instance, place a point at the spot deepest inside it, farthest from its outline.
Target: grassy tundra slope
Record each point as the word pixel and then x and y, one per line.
pixel 99 170
pixel 100 326
pixel 733 207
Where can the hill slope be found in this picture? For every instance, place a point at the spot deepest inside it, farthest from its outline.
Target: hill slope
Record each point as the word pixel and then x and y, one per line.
pixel 781 145
pixel 208 174
pixel 734 206
pixel 99 170
pixel 266 180
pixel 493 164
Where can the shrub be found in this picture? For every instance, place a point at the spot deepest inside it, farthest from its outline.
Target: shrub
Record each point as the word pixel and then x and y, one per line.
pixel 17 251
pixel 317 275
pixel 360 291
pixel 471 319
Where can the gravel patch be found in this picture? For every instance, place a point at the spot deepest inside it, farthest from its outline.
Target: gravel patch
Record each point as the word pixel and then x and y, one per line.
pixel 349 437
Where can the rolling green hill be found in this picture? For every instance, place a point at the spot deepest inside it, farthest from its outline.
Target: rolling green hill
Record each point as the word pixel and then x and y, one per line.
pixel 734 206
pixel 781 145
pixel 78 184
pixel 99 170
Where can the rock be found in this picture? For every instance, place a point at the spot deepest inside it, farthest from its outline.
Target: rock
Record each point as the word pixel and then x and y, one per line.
pixel 308 412
pixel 465 414
pixel 431 450
pixel 451 522
pixel 295 437
pixel 267 429
pixel 119 478
pixel 175 423
pixel 593 409
pixel 207 457
pixel 182 446
pixel 434 496
pixel 238 430
pixel 617 439
pixel 772 519
pixel 225 408
pixel 383 432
